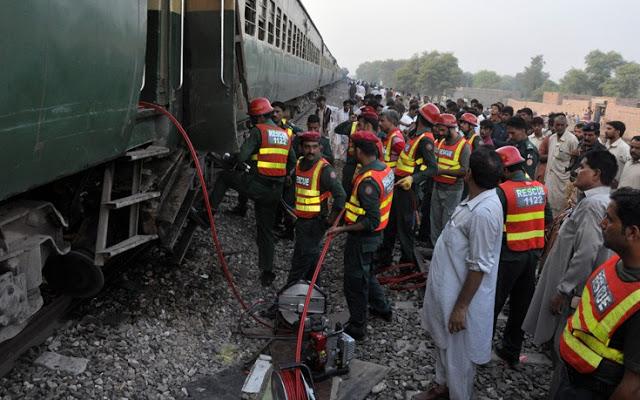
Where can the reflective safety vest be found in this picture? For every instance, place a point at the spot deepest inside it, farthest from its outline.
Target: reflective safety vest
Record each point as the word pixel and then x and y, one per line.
pixel 352 149
pixel 607 302
pixel 390 158
pixel 272 155
pixel 308 196
pixel 385 181
pixel 472 139
pixel 407 161
pixel 449 158
pixel 524 225
pixel 288 130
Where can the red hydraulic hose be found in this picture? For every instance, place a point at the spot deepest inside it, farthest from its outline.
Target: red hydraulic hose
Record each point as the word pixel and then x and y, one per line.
pixel 308 299
pixel 225 267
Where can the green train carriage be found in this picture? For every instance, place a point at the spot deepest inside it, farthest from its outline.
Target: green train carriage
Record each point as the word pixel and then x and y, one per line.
pixel 86 174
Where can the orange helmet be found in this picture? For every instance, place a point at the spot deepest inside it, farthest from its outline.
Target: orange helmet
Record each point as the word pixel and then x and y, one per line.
pixel 510 155
pixel 470 118
pixel 447 120
pixel 259 106
pixel 430 112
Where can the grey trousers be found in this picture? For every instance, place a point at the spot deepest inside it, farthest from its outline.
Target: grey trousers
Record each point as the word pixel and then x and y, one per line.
pixel 443 203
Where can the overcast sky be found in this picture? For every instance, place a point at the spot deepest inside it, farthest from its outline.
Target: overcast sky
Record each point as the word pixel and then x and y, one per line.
pixel 497 35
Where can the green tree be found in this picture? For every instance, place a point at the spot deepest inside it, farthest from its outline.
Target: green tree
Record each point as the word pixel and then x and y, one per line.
pixel 485 79
pixel 626 82
pixel 508 82
pixel 439 74
pixel 575 81
pixel 600 66
pixel 533 76
pixel 406 77
pixel 547 86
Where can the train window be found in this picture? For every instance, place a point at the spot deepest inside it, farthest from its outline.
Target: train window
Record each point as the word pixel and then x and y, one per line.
pixel 284 32
pixel 262 19
pixel 295 40
pixel 289 38
pixel 250 17
pixel 278 26
pixel 272 18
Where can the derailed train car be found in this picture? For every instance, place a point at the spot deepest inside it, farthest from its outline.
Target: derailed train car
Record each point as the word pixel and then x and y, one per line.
pixel 85 173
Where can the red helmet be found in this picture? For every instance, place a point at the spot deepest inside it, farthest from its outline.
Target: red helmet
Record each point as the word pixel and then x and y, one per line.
pixel 470 118
pixel 430 112
pixel 259 106
pixel 447 120
pixel 510 155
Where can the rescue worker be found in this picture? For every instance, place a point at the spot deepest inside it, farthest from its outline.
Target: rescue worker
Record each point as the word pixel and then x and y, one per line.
pixel 599 345
pixel 468 123
pixel 367 214
pixel 288 195
pixel 315 183
pixel 517 131
pixel 268 149
pixel 279 111
pixel 526 212
pixel 367 121
pixel 393 141
pixel 426 121
pixel 417 162
pixel 453 163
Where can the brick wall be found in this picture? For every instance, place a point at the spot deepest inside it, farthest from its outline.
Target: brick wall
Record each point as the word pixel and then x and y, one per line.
pixel 485 96
pixel 551 97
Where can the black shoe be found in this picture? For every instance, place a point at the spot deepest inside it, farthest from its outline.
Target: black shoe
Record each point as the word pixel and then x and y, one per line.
pixel 357 335
pixel 506 356
pixel 387 316
pixel 267 278
pixel 239 210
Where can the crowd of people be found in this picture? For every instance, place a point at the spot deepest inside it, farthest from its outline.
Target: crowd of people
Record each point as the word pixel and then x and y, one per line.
pixel 546 219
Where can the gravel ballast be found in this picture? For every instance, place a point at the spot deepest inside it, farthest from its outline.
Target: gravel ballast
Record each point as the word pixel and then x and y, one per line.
pixel 159 328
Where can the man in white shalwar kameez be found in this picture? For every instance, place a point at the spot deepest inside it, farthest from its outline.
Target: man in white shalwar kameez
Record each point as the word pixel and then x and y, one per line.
pixel 561 144
pixel 460 293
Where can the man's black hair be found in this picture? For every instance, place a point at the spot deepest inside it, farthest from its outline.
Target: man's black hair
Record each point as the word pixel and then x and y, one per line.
pixel 368 148
pixel 486 167
pixel 579 125
pixel 278 104
pixel 372 121
pixel 414 106
pixel 498 105
pixel 605 162
pixel 517 122
pixel 527 111
pixel 507 110
pixel 486 123
pixel 321 98
pixel 627 200
pixel 373 103
pixel 313 118
pixel 619 126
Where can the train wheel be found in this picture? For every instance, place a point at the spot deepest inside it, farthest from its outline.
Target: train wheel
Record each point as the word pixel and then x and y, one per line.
pixel 74 273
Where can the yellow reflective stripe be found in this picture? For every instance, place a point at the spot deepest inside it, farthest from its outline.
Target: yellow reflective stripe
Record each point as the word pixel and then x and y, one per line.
pixel 588 355
pixel 349 216
pixel 403 167
pixel 384 217
pixel 525 217
pixel 610 320
pixel 313 208
pixel 265 164
pixel 354 209
pixel 307 192
pixel 254 157
pixel 386 202
pixel 446 161
pixel 308 200
pixel 354 125
pixel 392 164
pixel 273 150
pixel 525 235
pixel 599 348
